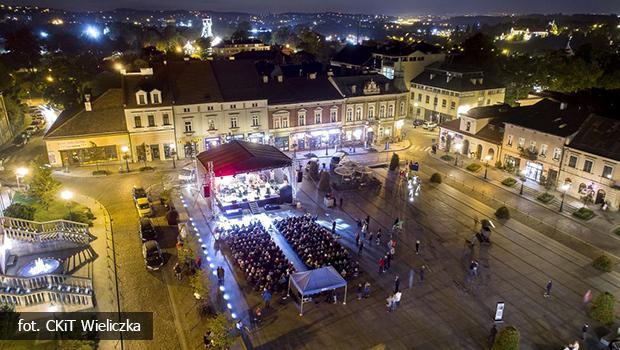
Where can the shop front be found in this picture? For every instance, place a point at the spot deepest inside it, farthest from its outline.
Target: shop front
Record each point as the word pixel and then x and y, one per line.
pixel 84 151
pixel 210 142
pixel 281 143
pixel 89 155
pixel 533 170
pixel 256 137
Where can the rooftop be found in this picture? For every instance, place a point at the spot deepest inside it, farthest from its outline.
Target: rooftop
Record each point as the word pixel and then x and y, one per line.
pixel 550 117
pixel 364 85
pixel 599 135
pixel 455 78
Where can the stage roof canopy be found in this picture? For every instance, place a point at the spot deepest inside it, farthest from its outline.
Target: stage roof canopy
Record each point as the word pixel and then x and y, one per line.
pixel 318 280
pixel 237 157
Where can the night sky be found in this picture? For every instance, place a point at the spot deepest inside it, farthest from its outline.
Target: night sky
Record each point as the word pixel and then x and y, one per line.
pixel 391 7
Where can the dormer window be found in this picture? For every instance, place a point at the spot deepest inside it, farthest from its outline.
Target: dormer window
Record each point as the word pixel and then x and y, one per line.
pixel 156 96
pixel 141 97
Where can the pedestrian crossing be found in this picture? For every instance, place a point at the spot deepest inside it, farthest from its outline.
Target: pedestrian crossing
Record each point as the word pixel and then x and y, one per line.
pixel 419 148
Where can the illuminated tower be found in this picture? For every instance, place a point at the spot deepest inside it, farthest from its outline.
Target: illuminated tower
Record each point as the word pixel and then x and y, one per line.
pixel 206 28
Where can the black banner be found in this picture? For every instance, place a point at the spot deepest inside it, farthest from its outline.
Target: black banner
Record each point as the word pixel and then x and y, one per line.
pixel 76 325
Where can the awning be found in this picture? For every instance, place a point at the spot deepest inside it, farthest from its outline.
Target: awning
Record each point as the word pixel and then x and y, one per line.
pixel 318 280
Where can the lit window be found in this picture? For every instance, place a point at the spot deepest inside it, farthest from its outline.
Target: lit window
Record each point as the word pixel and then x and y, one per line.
pixel 318 116
pixel 166 119
pixel 188 126
pixel 255 120
pixel 349 114
pixel 137 121
pixel 301 118
pixel 151 120
pixel 333 115
pixel 557 153
pixel 572 161
pixel 607 171
pixel 587 166
pixel 233 122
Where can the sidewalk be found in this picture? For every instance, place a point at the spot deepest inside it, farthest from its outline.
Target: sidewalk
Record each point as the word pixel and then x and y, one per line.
pixel 359 151
pixel 115 169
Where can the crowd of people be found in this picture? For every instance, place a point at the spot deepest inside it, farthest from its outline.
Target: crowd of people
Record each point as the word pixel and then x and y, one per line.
pixel 258 256
pixel 316 245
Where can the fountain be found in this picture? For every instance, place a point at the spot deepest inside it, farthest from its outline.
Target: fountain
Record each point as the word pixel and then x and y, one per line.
pixel 39 266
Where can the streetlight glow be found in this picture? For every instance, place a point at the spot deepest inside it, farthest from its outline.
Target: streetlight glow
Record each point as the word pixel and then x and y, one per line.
pixel 21 172
pixel 118 66
pixel 124 149
pixel 66 195
pixel 92 32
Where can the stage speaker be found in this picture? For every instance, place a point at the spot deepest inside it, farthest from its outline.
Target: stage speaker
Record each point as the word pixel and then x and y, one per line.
pixel 286 194
pixel 300 176
pixel 206 191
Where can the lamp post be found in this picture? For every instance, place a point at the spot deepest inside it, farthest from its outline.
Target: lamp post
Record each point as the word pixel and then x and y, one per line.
pixel 173 154
pixel 19 174
pixel 67 195
pixel 486 166
pixel 564 188
pixel 125 151
pixel 523 179
pixel 457 149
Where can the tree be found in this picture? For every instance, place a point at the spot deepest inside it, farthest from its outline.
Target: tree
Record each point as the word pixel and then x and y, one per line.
pixel 507 339
pixel 219 332
pixel 282 35
pixel 24 48
pixel 8 321
pixel 324 182
pixel 602 308
pixel 19 211
pixel 242 32
pixel 43 186
pixel 96 153
pixel 394 162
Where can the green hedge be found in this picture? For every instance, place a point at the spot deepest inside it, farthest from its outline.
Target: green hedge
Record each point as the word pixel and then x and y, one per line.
pixel 584 213
pixel 602 308
pixel 617 231
pixel 147 168
pixel 502 213
pixel 602 263
pixel 101 172
pixel 447 158
pixel 20 211
pixel 507 339
pixel 509 181
pixel 473 167
pixel 545 197
pixel 436 178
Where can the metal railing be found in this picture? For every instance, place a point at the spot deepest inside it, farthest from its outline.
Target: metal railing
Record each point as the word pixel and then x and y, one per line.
pixel 51 297
pixel 56 230
pixel 45 282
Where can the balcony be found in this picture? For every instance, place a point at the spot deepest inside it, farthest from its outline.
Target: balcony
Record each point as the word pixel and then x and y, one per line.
pixel 529 153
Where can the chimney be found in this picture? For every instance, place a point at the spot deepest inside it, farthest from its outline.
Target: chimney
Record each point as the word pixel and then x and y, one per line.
pixel 87 105
pixel 354 89
pixel 387 86
pixel 432 76
pixel 312 76
pixel 265 79
pixel 330 73
pixel 563 106
pixel 473 81
pixel 280 78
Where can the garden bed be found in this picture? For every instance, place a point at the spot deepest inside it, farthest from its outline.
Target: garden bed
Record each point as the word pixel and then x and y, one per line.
pixel 447 158
pixel 473 167
pixel 56 210
pixel 545 197
pixel 509 181
pixel 584 213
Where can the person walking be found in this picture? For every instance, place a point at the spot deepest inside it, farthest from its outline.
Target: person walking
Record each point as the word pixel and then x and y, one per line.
pixel 422 271
pixel 370 234
pixel 548 289
pixel 411 277
pixel 379 237
pixel 493 334
pixel 361 248
pixel 360 291
pixel 381 264
pixel 388 260
pixel 357 239
pixel 341 201
pixel 417 247
pixel 177 271
pixel 584 331
pixel 397 297
pixel 266 297
pixel 390 302
pixel 364 229
pixel 396 284
pixel 366 290
pixel 220 274
pixel 368 220
pixel 334 227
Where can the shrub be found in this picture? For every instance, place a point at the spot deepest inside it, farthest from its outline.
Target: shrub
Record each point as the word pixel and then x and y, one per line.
pixel 436 178
pixel 147 168
pixel 583 213
pixel 101 172
pixel 617 231
pixel 172 216
pixel 545 197
pixel 20 211
pixel 394 162
pixel 84 217
pixel 324 182
pixel 602 263
pixel 507 339
pixel 473 167
pixel 447 158
pixel 602 308
pixel 499 165
pixel 509 181
pixel 502 213
pixel 313 170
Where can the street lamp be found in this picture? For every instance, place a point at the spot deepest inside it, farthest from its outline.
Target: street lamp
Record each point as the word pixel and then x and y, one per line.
pixel 125 151
pixel 67 195
pixel 457 147
pixel 523 179
pixel 19 174
pixel 563 188
pixel 486 166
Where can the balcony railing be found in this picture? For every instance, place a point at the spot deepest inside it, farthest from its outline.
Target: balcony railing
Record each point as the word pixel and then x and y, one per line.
pixel 36 232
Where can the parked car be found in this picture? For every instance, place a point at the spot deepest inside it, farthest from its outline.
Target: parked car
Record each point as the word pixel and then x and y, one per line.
pixel 138 192
pixel 337 158
pixel 153 258
pixel 147 230
pixel 141 200
pixel 187 174
pixel 418 122
pixel 20 140
pixel 429 125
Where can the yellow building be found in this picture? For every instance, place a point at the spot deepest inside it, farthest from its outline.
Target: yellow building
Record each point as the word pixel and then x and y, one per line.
pixel 442 92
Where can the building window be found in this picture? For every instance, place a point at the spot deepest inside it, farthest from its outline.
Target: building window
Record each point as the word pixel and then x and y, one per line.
pixel 402 108
pixel 509 142
pixel 209 108
pixel 137 121
pixel 444 103
pixel 285 122
pixel 587 166
pixel 233 122
pixel 188 126
pixel 349 114
pixel 155 97
pixel 543 150
pixel 255 120
pixel 532 146
pixel 358 113
pixel 186 110
pixel 371 111
pixel 488 101
pixel 572 161
pixel 557 153
pixel 452 105
pixel 211 124
pixel 435 101
pixel 276 123
pixel 317 116
pixel 254 104
pixel 301 118
pixel 521 142
pixel 607 171
pixel 141 98
pixel 333 115
pixel 428 99
pixel 391 111
pixel 382 112
pixel 151 120
pixel 468 126
pixel 233 106
pixel 165 119
pixel 419 97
